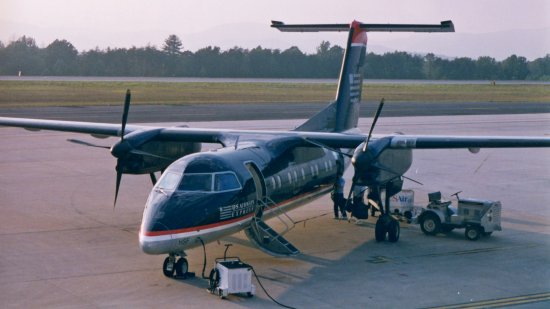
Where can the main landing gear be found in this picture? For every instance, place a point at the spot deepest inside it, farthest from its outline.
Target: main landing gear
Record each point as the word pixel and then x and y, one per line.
pixel 387 227
pixel 176 267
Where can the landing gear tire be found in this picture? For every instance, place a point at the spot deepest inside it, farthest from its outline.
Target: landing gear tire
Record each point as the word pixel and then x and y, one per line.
pixel 393 231
pixel 430 224
pixel 472 232
pixel 380 230
pixel 168 267
pixel 182 267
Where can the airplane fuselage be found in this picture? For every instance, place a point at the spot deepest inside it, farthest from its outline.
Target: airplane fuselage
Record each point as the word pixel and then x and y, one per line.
pixel 205 196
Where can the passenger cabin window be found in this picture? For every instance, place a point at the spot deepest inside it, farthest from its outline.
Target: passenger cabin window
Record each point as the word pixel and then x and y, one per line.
pixel 215 182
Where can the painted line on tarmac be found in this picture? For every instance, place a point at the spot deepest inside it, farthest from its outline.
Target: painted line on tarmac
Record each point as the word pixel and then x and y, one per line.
pixel 380 259
pixel 501 302
pixel 475 251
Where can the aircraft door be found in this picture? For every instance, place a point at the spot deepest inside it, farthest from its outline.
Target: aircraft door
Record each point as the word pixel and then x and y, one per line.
pixel 259 183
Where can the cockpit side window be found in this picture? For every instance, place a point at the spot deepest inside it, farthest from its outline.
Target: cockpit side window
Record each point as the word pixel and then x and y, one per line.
pixel 169 181
pixel 196 182
pixel 226 182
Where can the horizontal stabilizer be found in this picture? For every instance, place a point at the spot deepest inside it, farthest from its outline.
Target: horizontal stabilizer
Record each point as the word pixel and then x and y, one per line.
pixel 444 26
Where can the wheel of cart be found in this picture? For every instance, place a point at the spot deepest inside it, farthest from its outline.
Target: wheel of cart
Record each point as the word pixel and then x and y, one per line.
pixel 214 280
pixel 430 223
pixel 473 232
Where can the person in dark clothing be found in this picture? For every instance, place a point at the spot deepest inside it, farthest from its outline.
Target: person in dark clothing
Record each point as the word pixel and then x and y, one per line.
pixel 338 199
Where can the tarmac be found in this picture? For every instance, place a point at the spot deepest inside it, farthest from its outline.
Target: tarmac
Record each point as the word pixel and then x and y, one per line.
pixel 63 245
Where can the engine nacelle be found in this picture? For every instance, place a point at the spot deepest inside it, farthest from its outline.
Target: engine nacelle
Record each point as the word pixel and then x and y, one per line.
pixel 378 164
pixel 141 152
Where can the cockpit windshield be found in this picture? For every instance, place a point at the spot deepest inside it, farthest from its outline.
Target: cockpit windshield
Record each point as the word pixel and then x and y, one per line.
pixel 226 181
pixel 196 182
pixel 209 182
pixel 199 182
pixel 169 181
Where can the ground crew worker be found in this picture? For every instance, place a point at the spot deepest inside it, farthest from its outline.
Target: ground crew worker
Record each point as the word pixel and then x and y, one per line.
pixel 338 198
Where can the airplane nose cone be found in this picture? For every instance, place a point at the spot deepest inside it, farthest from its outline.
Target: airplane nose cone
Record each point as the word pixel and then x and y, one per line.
pixel 156 243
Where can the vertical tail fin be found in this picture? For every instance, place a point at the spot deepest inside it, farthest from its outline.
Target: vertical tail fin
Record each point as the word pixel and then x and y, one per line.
pixel 343 114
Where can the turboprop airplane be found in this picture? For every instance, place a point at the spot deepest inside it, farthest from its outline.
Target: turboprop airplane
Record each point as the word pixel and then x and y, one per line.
pixel 203 196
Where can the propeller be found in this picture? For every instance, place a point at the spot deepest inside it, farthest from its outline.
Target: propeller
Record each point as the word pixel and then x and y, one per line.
pixel 360 157
pixel 120 149
pixel 126 146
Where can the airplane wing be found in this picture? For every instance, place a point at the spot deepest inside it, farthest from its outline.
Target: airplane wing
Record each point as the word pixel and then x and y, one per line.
pixel 95 129
pixel 176 134
pixel 335 140
pixel 441 142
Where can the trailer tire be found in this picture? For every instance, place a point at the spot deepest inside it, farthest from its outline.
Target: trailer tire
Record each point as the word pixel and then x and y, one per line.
pixel 473 232
pixel 430 224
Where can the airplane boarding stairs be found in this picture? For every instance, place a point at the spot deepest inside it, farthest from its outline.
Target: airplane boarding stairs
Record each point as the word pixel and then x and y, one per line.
pixel 265 237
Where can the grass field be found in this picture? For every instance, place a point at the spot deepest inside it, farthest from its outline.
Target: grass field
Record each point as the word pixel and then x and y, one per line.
pixel 57 93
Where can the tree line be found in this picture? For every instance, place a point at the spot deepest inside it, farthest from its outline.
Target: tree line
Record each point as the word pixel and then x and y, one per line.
pixel 60 58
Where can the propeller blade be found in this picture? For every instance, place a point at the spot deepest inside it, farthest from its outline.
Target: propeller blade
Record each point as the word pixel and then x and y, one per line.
pixel 379 166
pixel 118 180
pixel 380 106
pixel 153 178
pixel 79 142
pixel 125 113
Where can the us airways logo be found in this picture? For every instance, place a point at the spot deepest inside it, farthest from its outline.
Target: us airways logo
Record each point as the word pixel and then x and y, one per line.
pixel 236 210
pixel 355 84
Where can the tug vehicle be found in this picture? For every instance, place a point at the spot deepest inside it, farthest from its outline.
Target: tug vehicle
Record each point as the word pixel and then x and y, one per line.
pixel 479 217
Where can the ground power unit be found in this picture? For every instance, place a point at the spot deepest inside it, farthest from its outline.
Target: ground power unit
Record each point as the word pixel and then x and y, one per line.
pixel 231 276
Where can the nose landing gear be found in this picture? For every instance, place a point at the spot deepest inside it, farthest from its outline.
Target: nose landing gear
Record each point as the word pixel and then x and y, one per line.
pixel 178 265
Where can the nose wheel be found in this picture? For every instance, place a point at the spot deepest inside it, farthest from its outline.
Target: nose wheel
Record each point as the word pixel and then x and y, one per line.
pixel 176 267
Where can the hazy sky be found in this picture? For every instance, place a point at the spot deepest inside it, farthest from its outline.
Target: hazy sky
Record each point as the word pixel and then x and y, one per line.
pixel 497 28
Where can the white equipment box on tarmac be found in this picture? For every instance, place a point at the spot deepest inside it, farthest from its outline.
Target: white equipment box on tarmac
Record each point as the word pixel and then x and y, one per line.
pixel 234 277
